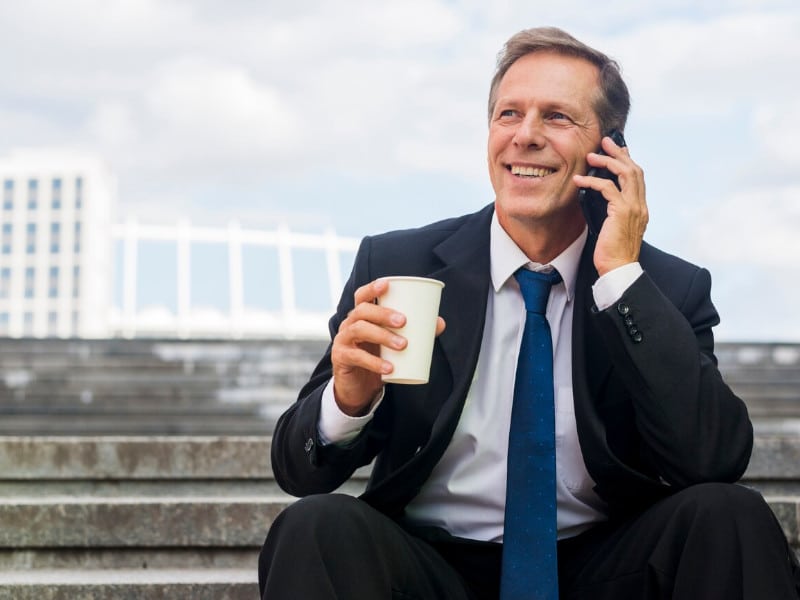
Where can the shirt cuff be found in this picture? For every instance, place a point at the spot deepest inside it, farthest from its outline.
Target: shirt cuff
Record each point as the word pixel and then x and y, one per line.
pixel 610 287
pixel 334 426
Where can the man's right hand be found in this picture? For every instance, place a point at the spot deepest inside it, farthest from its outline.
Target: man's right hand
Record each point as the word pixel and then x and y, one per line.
pixel 355 354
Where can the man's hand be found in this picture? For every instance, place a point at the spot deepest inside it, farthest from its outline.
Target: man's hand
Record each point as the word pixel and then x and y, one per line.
pixel 355 354
pixel 620 238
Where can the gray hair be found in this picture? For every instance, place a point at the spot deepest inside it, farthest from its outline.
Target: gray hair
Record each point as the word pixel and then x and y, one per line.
pixel 612 103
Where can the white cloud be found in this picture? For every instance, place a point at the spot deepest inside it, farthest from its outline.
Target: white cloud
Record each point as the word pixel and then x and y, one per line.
pixel 686 66
pixel 776 126
pixel 217 112
pixel 755 228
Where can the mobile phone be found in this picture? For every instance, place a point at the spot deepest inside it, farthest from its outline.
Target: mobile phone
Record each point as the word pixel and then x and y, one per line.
pixel 593 204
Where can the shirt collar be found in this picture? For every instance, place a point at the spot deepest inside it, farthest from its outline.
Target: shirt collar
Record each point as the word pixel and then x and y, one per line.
pixel 506 257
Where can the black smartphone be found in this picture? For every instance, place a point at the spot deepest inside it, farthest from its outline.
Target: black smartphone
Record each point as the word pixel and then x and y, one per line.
pixel 594 206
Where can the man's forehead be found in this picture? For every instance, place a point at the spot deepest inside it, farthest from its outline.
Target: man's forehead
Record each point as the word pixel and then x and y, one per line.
pixel 555 77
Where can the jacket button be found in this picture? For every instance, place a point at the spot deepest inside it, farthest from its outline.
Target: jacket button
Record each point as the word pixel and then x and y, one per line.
pixel 637 337
pixel 309 445
pixel 633 331
pixel 623 308
pixel 629 320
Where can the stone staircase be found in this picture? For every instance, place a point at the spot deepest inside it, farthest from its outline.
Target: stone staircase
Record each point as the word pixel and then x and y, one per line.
pixel 135 516
pixel 126 497
pixel 184 516
pixel 156 387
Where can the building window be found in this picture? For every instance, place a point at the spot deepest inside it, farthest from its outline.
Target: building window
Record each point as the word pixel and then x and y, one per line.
pixel 78 193
pixel 28 324
pixel 77 246
pixel 8 194
pixel 30 239
pixel 55 238
pixel 30 282
pixel 5 282
pixel 6 241
pixel 52 323
pixel 3 323
pixel 33 194
pixel 76 282
pixel 52 284
pixel 56 195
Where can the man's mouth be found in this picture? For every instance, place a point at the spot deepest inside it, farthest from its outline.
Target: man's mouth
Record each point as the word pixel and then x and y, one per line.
pixel 521 171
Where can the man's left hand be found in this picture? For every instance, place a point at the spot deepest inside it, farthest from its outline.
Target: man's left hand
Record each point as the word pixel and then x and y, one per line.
pixel 620 238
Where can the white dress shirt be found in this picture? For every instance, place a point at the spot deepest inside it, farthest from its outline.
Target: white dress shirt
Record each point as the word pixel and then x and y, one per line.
pixel 465 493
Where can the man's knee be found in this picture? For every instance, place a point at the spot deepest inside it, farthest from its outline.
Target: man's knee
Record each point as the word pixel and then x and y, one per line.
pixel 309 533
pixel 320 515
pixel 725 501
pixel 730 513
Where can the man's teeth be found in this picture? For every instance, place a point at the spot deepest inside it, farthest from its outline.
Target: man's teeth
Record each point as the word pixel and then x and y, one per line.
pixel 530 171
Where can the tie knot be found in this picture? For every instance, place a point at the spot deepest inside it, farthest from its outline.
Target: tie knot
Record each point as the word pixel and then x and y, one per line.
pixel 535 288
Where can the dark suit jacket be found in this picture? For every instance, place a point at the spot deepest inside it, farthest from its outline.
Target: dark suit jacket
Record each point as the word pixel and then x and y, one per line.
pixel 653 414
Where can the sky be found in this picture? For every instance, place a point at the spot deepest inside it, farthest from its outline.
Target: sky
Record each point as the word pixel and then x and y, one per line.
pixel 365 116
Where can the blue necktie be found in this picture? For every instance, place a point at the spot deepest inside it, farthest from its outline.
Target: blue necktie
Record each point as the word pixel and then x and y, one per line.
pixel 530 562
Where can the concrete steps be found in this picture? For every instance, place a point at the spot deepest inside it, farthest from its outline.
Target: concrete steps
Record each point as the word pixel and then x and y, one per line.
pixel 184 517
pixel 140 468
pixel 132 584
pixel 204 387
pixel 158 387
pixel 135 517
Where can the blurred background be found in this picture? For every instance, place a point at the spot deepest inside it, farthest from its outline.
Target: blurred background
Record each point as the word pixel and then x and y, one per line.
pixel 184 186
pixel 237 126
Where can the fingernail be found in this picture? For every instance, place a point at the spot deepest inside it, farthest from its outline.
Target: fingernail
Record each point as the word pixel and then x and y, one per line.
pixel 396 319
pixel 397 341
pixel 386 367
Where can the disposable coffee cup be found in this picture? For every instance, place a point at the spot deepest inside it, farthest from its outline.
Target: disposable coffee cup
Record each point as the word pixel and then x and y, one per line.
pixel 418 299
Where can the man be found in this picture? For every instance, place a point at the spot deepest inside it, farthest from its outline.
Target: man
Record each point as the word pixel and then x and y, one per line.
pixel 648 438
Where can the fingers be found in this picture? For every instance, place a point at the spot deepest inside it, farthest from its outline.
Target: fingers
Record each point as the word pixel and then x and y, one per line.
pixel 618 161
pixel 440 325
pixel 620 238
pixel 365 329
pixel 355 353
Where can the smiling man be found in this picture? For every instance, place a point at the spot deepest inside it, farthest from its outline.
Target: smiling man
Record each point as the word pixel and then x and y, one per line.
pixel 575 439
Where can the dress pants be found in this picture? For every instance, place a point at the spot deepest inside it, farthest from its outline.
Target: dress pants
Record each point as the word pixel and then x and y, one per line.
pixel 708 542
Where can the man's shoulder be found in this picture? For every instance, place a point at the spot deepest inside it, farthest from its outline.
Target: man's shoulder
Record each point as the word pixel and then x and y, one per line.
pixel 655 259
pixel 677 278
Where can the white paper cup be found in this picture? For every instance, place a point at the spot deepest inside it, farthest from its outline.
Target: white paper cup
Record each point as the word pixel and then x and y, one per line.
pixel 418 299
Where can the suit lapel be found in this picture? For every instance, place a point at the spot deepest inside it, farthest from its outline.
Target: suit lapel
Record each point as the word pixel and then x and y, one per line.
pixel 464 257
pixel 590 363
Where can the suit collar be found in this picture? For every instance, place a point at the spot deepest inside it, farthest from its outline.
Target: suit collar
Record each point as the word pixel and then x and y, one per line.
pixel 506 257
pixel 465 256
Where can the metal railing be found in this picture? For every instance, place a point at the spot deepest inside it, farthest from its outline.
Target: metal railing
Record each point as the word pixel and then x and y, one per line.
pixel 289 321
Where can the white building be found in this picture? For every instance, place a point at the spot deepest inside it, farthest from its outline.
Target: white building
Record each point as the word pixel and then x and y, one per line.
pixel 68 270
pixel 55 245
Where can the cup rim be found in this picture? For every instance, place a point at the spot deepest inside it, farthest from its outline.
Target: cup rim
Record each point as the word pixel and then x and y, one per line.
pixel 413 278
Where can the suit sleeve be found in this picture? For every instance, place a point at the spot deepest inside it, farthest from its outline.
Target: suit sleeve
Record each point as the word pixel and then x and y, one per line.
pixel 693 427
pixel 302 465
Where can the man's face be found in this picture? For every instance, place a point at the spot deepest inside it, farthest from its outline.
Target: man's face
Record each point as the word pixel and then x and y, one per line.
pixel 541 129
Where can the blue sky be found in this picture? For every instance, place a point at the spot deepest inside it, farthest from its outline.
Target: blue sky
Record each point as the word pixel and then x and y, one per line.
pixel 368 116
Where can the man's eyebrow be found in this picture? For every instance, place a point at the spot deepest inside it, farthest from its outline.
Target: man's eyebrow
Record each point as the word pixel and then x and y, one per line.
pixel 545 105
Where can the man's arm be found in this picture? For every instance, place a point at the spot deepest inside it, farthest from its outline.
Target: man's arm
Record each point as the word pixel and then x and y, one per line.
pixel 694 428
pixel 302 463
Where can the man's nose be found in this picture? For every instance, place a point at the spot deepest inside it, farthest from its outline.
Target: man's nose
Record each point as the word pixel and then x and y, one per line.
pixel 530 132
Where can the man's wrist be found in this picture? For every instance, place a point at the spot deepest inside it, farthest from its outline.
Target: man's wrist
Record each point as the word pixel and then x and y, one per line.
pixel 337 427
pixel 609 288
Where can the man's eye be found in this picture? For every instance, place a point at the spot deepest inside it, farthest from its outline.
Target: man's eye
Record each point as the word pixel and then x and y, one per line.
pixel 558 115
pixel 509 112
